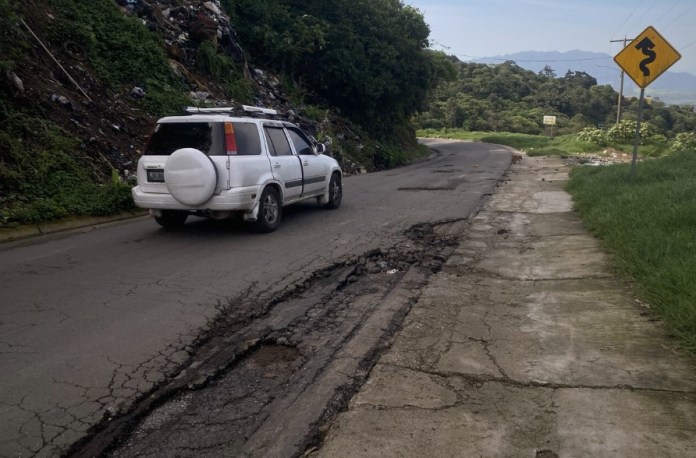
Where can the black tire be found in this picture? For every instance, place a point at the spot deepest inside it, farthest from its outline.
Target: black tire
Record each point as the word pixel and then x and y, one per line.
pixel 171 219
pixel 270 211
pixel 335 192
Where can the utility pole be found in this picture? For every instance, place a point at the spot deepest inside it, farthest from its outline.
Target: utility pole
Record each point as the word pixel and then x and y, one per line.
pixel 618 111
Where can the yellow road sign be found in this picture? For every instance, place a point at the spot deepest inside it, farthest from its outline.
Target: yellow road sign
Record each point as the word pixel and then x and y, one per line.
pixel 647 57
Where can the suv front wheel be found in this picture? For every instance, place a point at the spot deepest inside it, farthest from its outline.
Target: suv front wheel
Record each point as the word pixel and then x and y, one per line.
pixel 335 192
pixel 270 211
pixel 171 219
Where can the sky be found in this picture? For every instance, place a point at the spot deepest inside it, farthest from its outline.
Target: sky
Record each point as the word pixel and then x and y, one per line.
pixel 472 29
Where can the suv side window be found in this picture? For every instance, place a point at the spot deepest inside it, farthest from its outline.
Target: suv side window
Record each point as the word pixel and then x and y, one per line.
pixel 247 136
pixel 169 137
pixel 302 145
pixel 277 141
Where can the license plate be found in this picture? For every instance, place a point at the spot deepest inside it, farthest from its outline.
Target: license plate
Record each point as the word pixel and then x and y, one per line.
pixel 155 176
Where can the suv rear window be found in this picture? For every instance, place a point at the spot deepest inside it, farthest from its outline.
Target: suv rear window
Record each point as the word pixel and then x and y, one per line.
pixel 208 137
pixel 169 137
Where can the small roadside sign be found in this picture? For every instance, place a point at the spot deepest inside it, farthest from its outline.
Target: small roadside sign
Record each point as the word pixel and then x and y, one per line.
pixel 549 120
pixel 648 56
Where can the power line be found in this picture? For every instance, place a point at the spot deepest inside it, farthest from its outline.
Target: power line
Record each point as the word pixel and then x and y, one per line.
pixel 689 45
pixel 631 15
pixel 644 14
pixel 667 12
pixel 680 16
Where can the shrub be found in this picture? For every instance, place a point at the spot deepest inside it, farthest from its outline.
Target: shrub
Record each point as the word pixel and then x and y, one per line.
pixel 592 135
pixel 685 141
pixel 624 132
pixel 220 67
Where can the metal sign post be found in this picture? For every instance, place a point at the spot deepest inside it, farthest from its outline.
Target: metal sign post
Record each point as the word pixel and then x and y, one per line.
pixel 636 137
pixel 644 59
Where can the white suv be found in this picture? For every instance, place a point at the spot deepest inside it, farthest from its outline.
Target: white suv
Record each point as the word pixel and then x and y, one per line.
pixel 214 163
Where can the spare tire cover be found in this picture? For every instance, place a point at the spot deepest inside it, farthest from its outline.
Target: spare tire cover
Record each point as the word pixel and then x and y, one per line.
pixel 190 176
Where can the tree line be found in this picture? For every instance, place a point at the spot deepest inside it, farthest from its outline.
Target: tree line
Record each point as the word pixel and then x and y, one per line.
pixel 508 98
pixel 367 58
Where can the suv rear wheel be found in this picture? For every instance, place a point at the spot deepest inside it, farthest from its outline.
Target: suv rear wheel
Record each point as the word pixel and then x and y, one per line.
pixel 171 219
pixel 270 211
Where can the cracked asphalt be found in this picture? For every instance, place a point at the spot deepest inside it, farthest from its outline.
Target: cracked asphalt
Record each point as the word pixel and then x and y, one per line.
pixel 524 344
pixel 106 333
pixel 302 361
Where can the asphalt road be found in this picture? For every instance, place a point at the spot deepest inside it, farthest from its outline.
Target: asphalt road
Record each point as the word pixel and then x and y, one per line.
pixel 91 322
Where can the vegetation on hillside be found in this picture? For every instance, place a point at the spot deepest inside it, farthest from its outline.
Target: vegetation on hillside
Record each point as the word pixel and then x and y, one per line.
pixel 50 164
pixel 119 49
pixel 368 59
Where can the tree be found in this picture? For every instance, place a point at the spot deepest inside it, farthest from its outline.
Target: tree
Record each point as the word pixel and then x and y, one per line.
pixel 581 79
pixel 367 57
pixel 547 72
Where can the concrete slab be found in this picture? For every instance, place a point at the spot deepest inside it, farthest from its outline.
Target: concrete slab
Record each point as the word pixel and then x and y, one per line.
pixel 519 423
pixel 583 333
pixel 562 257
pixel 620 423
pixel 407 388
pixel 494 419
pixel 576 332
pixel 516 200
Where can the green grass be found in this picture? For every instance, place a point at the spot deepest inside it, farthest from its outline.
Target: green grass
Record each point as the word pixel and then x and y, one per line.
pixel 649 226
pixel 542 145
pixel 44 175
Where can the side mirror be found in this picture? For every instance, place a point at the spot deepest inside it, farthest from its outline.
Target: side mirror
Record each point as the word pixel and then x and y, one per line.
pixel 321 148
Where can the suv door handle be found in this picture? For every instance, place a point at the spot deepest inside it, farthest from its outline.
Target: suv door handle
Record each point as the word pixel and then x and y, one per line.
pixel 305 163
pixel 276 165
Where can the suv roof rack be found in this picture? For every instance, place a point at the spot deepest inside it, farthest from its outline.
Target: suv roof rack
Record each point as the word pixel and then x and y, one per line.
pixel 233 110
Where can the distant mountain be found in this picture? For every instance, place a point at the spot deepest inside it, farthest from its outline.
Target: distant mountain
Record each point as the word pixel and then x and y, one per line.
pixel 671 87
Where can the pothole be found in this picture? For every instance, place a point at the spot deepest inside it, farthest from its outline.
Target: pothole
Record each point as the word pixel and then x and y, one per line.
pixel 448 171
pixel 428 188
pixel 274 357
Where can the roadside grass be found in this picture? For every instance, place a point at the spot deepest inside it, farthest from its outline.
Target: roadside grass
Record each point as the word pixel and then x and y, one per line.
pixel 537 145
pixel 541 145
pixel 648 224
pixel 532 145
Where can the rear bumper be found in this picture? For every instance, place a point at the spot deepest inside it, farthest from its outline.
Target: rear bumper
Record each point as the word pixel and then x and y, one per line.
pixel 237 199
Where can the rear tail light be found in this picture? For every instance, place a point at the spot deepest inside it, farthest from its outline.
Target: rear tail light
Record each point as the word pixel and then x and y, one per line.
pixel 230 140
